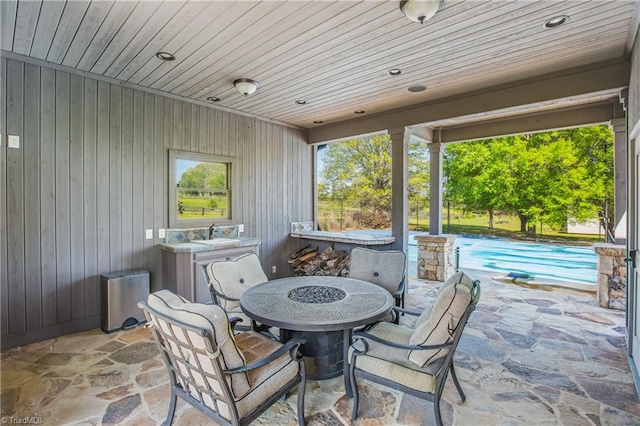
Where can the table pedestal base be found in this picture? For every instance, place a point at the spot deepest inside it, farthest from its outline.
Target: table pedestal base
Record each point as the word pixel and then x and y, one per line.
pixel 323 352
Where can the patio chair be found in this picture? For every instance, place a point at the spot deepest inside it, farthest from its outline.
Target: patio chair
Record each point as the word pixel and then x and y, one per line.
pixel 230 378
pixel 416 361
pixel 228 279
pixel 384 268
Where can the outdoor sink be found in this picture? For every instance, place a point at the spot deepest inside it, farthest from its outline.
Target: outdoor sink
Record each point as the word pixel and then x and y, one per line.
pixel 215 241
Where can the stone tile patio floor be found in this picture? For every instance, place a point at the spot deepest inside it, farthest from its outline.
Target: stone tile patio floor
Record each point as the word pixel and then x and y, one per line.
pixel 527 356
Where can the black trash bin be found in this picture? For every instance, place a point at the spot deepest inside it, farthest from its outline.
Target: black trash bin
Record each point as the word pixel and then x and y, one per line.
pixel 120 293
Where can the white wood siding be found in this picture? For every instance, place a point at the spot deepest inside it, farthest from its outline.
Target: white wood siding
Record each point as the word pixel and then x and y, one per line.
pixel 91 175
pixel 333 54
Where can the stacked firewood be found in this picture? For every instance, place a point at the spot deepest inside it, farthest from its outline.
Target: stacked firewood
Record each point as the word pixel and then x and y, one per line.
pixel 307 261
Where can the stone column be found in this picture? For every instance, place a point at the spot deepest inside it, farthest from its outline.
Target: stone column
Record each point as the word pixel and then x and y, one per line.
pixel 399 184
pixel 619 128
pixel 612 275
pixel 435 189
pixel 436 258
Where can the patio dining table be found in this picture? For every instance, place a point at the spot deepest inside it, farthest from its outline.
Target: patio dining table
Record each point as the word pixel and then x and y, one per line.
pixel 323 310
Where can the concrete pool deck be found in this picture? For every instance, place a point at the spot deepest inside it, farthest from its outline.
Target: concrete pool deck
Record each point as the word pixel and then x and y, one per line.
pixel 526 357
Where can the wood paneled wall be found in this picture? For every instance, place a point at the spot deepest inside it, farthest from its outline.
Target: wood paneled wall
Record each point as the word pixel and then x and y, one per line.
pixel 633 110
pixel 91 175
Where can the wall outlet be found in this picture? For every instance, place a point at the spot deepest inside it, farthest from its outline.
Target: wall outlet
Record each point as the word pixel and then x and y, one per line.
pixel 241 228
pixel 148 234
pixel 160 233
pixel 14 141
pixel 273 269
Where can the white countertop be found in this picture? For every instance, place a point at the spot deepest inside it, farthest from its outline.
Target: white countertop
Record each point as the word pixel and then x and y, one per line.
pixel 210 245
pixel 345 237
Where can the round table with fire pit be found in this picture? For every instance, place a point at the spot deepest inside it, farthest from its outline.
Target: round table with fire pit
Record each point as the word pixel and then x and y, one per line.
pixel 322 310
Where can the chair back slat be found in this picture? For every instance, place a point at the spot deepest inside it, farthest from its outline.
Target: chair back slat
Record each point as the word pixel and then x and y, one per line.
pixel 208 367
pixel 193 358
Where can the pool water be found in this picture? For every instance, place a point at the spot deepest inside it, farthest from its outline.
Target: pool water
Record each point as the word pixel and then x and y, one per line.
pixel 576 264
pixel 541 262
pixel 550 261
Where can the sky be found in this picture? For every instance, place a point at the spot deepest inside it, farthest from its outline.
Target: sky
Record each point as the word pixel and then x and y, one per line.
pixel 182 165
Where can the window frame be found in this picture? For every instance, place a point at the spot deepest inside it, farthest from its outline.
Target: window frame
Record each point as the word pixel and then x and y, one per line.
pixel 174 156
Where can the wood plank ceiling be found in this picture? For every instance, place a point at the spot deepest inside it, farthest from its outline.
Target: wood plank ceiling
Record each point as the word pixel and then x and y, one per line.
pixel 334 55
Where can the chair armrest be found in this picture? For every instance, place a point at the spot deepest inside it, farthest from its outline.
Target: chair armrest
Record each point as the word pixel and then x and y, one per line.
pixel 396 311
pixel 400 290
pixel 290 346
pixel 220 295
pixel 233 321
pixel 364 336
pixel 406 311
pixel 476 296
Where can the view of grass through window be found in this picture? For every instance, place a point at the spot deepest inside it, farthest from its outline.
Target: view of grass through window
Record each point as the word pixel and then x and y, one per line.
pixel 202 189
pixel 524 186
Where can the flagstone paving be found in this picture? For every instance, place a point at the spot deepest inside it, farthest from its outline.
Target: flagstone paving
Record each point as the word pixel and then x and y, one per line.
pixel 527 357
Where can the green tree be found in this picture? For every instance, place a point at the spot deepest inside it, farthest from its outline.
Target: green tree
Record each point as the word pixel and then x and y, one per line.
pixel 552 176
pixel 476 178
pixel 204 178
pixel 594 148
pixel 360 170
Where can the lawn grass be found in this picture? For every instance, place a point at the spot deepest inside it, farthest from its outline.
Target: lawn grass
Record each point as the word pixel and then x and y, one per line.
pixel 509 227
pixel 193 207
pixel 334 216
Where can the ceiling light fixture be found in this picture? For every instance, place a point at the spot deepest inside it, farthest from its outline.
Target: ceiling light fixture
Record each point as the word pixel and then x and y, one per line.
pixel 394 71
pixel 318 121
pixel 213 99
pixel 165 56
pixel 416 89
pixel 556 21
pixel 358 112
pixel 301 102
pixel 246 86
pixel 420 10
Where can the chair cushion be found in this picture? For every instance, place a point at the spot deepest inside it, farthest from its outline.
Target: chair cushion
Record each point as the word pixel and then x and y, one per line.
pixel 211 318
pixel 266 380
pixel 457 278
pixel 383 268
pixel 393 363
pixel 437 325
pixel 232 277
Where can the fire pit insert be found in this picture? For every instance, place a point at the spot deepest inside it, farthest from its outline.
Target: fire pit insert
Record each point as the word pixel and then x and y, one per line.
pixel 316 294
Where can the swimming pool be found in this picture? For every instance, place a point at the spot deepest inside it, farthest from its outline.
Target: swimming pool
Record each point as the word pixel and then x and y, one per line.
pixel 576 264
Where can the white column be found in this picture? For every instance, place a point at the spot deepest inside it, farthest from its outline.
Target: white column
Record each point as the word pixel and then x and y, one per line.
pixel 619 128
pixel 435 189
pixel 399 187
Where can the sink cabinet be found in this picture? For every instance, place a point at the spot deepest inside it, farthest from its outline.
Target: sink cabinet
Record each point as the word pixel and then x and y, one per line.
pixel 183 272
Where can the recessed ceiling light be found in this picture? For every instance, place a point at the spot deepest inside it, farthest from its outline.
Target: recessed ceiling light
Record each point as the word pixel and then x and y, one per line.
pixel 394 71
pixel 556 21
pixel 318 121
pixel 213 99
pixel 301 102
pixel 416 89
pixel 358 112
pixel 165 56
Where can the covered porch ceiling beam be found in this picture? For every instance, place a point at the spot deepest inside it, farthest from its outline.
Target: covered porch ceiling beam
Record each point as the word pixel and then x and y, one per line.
pixel 530 123
pixel 565 84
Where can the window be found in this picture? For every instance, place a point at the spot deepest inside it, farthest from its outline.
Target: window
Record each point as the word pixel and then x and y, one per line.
pixel 199 189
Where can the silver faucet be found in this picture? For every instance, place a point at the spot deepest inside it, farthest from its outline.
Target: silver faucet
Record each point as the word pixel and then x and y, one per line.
pixel 211 228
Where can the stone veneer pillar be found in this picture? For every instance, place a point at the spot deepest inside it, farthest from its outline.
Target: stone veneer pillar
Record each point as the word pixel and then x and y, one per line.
pixel 612 275
pixel 436 258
